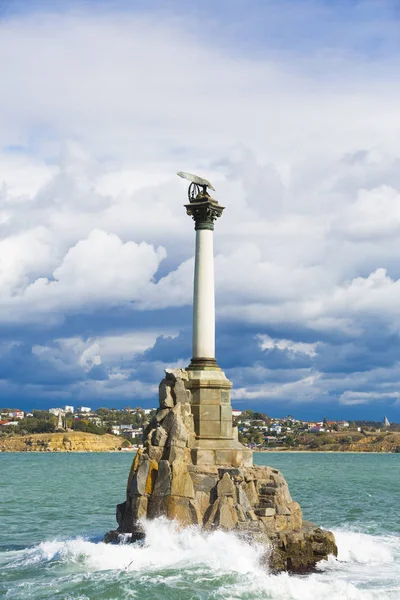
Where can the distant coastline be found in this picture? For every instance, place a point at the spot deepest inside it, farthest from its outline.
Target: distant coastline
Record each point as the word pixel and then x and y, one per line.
pixel 318 451
pixel 69 441
pixel 77 441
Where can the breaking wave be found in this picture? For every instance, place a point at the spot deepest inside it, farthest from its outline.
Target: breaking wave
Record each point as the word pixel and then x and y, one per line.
pixel 213 565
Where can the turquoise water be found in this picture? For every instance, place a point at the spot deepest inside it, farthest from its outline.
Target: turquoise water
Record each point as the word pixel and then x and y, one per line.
pixel 54 509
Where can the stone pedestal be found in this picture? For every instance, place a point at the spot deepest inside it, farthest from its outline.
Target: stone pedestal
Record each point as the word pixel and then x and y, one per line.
pixel 215 441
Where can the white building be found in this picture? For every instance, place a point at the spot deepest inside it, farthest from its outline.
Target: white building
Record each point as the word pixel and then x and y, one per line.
pixel 68 409
pixel 55 411
pixel 236 413
pixel 132 433
pixel 19 414
pixel 276 428
pixel 84 409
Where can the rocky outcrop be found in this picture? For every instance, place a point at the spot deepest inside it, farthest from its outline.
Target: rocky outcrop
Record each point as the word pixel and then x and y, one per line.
pixel 253 501
pixel 71 441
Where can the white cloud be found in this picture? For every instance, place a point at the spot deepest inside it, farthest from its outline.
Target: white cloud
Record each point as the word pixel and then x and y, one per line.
pixel 113 350
pixel 375 214
pixel 303 390
pixel 96 271
pixel 303 154
pixel 268 343
pixel 350 398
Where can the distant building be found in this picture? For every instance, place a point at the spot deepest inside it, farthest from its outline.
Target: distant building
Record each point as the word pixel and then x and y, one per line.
pixel 128 431
pixel 68 409
pixel 236 413
pixel 17 414
pixel 317 429
pixel 276 428
pixel 386 422
pixel 147 411
pixel 84 409
pixel 55 411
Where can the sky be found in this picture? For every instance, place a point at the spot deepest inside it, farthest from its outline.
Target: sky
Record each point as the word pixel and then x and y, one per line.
pixel 291 109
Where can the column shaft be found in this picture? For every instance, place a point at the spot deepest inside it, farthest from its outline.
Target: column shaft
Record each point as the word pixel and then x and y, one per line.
pixel 204 301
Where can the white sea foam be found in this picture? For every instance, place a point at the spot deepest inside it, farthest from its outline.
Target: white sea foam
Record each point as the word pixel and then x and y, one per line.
pixel 166 546
pixel 364 549
pixel 364 569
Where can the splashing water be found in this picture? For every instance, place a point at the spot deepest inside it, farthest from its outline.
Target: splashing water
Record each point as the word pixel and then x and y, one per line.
pixel 189 563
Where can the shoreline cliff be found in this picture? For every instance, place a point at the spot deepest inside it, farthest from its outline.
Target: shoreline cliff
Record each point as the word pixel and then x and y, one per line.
pixel 69 441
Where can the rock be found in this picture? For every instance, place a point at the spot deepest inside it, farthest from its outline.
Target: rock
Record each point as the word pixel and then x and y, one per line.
pixel 139 479
pixel 299 552
pixel 159 437
pixel 178 434
pixel 120 513
pixel 161 414
pixel 151 476
pixel 182 484
pixel 181 394
pixel 163 483
pixel 240 513
pixel 176 374
pixel 250 491
pixel 139 507
pixel 165 394
pixel 242 499
pixel 265 512
pixel 134 466
pixel 176 453
pixel 157 507
pixel 252 515
pixel 211 486
pixel 178 509
pixel 187 417
pixel 209 515
pixel 202 501
pixel 155 452
pixel 112 537
pixel 226 487
pixel 204 482
pixel 226 516
pixel 283 510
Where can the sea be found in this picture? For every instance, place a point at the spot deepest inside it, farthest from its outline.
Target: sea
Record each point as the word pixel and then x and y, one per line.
pixel 55 508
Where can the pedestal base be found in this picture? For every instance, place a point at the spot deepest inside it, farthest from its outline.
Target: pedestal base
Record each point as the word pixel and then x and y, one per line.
pixel 221 453
pixel 215 439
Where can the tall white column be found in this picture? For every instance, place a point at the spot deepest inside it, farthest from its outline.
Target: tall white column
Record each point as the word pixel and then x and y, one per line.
pixel 204 296
pixel 204 210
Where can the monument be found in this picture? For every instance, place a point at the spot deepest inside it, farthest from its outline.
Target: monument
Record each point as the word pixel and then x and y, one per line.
pixel 192 467
pixel 215 440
